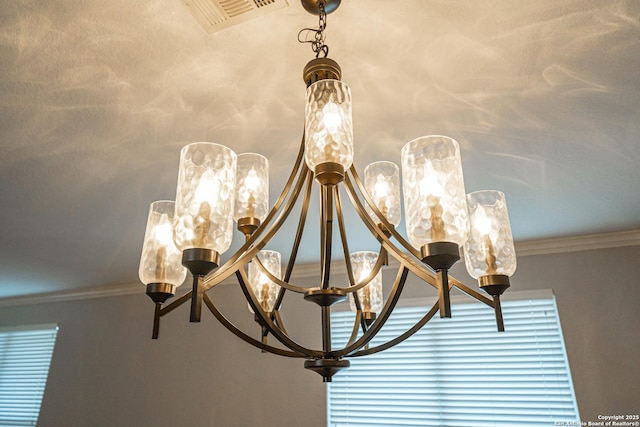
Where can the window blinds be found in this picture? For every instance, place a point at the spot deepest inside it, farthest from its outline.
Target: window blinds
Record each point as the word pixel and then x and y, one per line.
pixel 25 356
pixel 458 371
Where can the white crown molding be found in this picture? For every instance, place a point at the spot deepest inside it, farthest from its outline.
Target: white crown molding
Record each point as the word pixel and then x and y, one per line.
pixel 536 247
pixel 74 294
pixel 578 243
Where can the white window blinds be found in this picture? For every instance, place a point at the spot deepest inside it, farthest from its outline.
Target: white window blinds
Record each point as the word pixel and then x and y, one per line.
pixel 459 371
pixel 25 356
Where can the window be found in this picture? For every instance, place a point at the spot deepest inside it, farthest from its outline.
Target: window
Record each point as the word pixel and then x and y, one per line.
pixel 25 356
pixel 459 371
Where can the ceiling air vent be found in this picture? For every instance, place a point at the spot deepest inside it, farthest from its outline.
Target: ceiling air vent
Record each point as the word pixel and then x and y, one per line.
pixel 216 15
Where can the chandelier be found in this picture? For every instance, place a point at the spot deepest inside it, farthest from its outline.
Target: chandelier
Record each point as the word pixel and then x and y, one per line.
pixel 216 188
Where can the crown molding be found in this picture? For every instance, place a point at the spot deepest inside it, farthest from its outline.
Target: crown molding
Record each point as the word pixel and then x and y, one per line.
pixel 304 271
pixel 578 243
pixel 74 294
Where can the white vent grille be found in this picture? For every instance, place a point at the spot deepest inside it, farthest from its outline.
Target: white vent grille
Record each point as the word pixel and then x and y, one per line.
pixel 216 15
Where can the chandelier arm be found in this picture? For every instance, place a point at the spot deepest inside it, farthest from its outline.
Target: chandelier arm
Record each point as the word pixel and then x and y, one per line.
pixel 266 321
pixel 252 246
pixel 175 304
pixel 410 262
pixel 278 321
pixel 353 286
pixel 246 338
pixel 326 233
pixel 357 323
pixel 343 238
pixel 295 247
pixel 280 282
pixel 381 217
pixel 347 260
pixel 416 268
pixel 284 283
pixel 279 298
pixel 388 308
pixel 400 338
pixel 300 230
pixel 453 282
pixel 297 239
pixel 364 282
pixel 218 276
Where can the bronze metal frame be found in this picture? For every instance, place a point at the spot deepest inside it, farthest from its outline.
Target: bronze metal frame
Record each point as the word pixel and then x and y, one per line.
pixel 430 264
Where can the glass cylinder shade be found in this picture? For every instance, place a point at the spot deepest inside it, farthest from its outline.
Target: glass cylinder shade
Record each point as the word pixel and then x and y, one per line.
pixel 382 182
pixel 252 187
pixel 328 124
pixel 490 248
pixel 265 290
pixel 434 196
pixel 204 197
pixel 161 260
pixel 370 296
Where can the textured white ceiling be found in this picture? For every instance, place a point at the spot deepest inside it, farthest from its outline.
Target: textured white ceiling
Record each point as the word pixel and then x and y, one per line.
pixel 97 98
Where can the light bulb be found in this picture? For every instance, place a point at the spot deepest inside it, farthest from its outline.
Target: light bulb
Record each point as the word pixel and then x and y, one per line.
pixel 481 222
pixel 163 233
pixel 380 188
pixel 207 190
pixel 331 117
pixel 252 182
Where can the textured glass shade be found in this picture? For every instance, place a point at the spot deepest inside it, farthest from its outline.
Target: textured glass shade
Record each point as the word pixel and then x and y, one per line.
pixel 370 296
pixel 204 197
pixel 161 260
pixel 382 182
pixel 434 196
pixel 329 124
pixel 263 288
pixel 489 249
pixel 252 187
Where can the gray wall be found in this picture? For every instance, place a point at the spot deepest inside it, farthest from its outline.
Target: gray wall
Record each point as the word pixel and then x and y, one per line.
pixel 106 371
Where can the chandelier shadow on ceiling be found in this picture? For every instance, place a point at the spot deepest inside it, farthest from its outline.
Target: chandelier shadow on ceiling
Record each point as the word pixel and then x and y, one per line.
pixel 217 187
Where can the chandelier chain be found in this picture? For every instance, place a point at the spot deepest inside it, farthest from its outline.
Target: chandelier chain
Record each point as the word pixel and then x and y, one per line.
pixel 317 43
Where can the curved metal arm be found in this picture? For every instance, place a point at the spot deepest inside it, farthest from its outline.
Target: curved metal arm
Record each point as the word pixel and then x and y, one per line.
pixel 246 338
pixel 419 270
pixel 175 304
pixel 409 262
pixel 383 219
pixel 284 283
pixel 268 323
pixel 389 306
pixel 415 328
pixel 257 241
pixel 353 286
pixel 354 331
